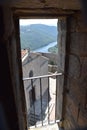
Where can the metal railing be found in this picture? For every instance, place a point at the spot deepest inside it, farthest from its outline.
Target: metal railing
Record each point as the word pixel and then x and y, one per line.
pixel 43 109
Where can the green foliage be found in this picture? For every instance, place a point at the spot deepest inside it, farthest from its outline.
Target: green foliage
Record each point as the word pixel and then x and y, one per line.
pixel 53 49
pixel 51 62
pixel 37 35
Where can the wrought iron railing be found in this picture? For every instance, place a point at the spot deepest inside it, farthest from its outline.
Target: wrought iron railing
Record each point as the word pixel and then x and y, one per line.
pixel 42 94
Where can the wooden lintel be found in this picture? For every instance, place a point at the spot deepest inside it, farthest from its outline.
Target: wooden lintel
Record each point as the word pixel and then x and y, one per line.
pixel 48 12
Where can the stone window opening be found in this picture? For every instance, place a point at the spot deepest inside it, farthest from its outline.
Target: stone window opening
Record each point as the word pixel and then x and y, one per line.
pixel 59 60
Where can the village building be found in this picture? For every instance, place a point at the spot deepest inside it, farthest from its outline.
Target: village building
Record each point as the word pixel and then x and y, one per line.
pixel 34 64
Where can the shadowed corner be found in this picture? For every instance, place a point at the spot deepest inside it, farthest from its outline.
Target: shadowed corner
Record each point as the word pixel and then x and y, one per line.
pixel 83 4
pixel 3 120
pixel 7 2
pixel 4 2
pixel 81 128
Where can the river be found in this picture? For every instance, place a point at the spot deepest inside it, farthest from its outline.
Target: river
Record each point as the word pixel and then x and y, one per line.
pixel 45 48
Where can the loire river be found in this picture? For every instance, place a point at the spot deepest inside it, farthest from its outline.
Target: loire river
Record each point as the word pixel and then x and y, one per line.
pixel 45 48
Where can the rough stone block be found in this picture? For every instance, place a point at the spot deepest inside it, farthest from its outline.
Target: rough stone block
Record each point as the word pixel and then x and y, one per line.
pixel 82 120
pixel 72 107
pixel 78 43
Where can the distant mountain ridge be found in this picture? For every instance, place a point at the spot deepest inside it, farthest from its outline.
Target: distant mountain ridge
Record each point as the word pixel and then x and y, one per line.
pixel 37 35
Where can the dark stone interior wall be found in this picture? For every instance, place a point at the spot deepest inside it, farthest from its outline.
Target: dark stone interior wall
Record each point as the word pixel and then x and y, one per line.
pixel 62 30
pixel 75 86
pixel 8 112
pixel 72 91
pixel 12 99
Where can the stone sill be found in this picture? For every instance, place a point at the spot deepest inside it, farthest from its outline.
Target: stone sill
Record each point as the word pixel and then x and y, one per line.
pixel 48 127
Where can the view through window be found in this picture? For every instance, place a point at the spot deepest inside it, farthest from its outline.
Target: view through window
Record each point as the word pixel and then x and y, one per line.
pixel 39 54
pixel 40 35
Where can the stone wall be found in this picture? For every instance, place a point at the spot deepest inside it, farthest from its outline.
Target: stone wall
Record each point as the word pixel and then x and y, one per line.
pixel 39 66
pixel 75 81
pixel 72 90
pixel 12 99
pixel 52 57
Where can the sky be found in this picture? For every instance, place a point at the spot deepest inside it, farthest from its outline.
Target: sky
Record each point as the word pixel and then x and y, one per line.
pixel 50 22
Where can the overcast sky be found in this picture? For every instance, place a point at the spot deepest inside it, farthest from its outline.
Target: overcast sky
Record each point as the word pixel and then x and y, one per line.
pixel 50 22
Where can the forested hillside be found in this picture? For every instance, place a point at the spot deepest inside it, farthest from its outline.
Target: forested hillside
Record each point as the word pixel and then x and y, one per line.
pixel 37 35
pixel 53 49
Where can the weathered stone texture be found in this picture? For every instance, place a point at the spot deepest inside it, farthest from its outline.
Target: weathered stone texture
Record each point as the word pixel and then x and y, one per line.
pixel 76 77
pixel 61 63
pixel 82 120
pixel 52 57
pixel 73 4
pixel 14 62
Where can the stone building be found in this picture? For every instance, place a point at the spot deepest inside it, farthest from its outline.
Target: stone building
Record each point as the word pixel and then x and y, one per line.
pixel 34 64
pixel 72 61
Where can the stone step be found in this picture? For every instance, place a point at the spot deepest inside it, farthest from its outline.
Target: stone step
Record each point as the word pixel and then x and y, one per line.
pixel 34 116
pixel 33 119
pixel 48 127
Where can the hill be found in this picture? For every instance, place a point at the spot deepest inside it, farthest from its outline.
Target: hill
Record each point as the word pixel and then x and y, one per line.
pixel 53 49
pixel 37 35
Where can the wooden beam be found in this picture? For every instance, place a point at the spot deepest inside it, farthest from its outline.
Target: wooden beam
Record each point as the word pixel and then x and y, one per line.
pixel 41 13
